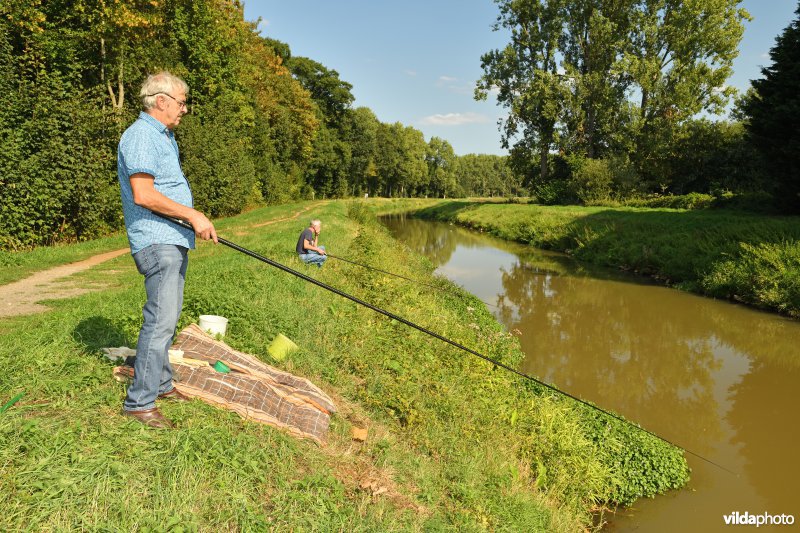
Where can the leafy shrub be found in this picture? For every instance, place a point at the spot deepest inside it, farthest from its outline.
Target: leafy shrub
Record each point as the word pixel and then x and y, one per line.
pixel 551 193
pixel 754 202
pixel 217 162
pixel 615 462
pixel 642 465
pixel 708 154
pixel 693 200
pixel 592 179
pixel 764 275
pixel 359 212
pixel 516 200
pixel 56 178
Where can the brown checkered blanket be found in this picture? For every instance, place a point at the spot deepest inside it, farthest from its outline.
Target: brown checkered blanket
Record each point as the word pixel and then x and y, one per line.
pixel 253 389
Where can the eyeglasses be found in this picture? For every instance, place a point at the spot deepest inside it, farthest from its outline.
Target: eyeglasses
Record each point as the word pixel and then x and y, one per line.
pixel 181 103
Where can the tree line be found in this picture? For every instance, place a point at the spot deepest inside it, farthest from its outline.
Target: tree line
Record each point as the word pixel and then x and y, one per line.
pixel 264 126
pixel 603 98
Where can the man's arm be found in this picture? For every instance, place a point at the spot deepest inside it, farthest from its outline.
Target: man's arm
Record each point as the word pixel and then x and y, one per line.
pixel 145 195
pixel 312 246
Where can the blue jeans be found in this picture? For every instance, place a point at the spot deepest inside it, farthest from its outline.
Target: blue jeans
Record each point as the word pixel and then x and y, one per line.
pixel 313 258
pixel 164 269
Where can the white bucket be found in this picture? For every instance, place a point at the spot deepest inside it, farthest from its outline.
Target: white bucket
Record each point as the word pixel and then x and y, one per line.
pixel 213 324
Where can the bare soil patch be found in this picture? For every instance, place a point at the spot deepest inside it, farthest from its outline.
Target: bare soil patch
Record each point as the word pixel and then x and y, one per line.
pixel 22 297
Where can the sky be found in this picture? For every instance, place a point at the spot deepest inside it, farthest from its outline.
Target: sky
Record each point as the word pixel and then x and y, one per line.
pixel 417 61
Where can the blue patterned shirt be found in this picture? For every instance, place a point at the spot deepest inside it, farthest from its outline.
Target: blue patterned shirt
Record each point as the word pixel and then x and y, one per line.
pixel 149 146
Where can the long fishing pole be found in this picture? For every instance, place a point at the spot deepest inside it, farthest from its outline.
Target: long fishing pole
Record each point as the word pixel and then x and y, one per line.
pixel 418 282
pixel 393 316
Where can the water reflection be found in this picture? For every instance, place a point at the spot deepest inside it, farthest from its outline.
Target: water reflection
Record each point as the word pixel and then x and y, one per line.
pixel 719 379
pixel 600 339
pixel 767 437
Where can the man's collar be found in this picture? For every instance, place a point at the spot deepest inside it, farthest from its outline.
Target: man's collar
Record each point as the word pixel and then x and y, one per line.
pixel 150 119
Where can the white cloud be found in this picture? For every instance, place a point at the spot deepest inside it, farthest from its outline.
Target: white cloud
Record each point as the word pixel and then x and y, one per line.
pixel 410 72
pixel 454 119
pixel 449 84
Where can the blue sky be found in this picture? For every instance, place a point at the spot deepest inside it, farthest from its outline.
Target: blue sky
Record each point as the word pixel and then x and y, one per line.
pixel 417 61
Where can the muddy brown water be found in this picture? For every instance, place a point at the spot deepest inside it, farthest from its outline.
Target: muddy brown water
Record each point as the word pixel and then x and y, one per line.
pixel 717 378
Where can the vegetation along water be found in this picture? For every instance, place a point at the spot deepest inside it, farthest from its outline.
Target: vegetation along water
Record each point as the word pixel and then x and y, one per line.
pixel 610 158
pixel 715 376
pixel 456 443
pixel 747 257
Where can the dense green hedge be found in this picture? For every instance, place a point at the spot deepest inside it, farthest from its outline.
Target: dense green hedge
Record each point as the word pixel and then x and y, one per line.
pixel 693 200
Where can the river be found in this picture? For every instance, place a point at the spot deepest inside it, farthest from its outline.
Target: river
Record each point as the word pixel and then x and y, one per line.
pixel 717 378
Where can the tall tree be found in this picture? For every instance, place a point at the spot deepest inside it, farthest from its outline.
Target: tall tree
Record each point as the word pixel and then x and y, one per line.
pixel 286 121
pixel 574 67
pixel 441 174
pixel 412 178
pixel 361 132
pixel 774 114
pixel 525 74
pixel 123 35
pixel 51 130
pixel 485 175
pixel 680 54
pixel 593 42
pixel 331 94
pixel 400 160
pixel 328 170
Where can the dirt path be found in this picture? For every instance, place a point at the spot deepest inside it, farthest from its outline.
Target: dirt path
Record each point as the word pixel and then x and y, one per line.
pixel 22 297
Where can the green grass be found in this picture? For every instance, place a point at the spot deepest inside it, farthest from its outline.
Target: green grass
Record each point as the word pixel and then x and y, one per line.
pixel 459 445
pixel 17 265
pixel 750 258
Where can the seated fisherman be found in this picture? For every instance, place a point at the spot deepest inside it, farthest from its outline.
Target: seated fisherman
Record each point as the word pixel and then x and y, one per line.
pixel 307 248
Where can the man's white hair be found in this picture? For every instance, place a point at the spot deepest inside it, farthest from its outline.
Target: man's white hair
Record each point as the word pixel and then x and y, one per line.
pixel 315 222
pixel 161 83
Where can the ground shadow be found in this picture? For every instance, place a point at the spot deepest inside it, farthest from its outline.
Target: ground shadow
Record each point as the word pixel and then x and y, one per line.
pixel 97 332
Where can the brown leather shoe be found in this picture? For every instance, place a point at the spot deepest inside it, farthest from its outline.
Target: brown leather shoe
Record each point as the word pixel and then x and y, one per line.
pixel 150 417
pixel 174 394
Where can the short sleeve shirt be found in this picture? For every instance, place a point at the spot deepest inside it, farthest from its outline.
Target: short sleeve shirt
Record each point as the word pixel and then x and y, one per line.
pixel 306 235
pixel 148 146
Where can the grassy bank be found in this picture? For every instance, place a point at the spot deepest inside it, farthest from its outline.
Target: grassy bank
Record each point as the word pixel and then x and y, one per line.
pixel 15 265
pixel 453 444
pixel 750 258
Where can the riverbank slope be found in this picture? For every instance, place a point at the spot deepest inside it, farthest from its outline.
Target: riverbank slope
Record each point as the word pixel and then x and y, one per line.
pixel 453 443
pixel 749 258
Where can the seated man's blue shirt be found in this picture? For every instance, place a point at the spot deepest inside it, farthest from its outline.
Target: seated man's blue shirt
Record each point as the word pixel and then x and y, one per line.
pixel 148 146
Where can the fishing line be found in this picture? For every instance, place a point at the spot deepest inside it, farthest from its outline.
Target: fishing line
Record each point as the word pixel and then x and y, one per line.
pixel 393 316
pixel 418 282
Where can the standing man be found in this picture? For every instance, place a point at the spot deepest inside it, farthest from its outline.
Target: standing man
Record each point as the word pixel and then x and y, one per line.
pixel 307 248
pixel 151 180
